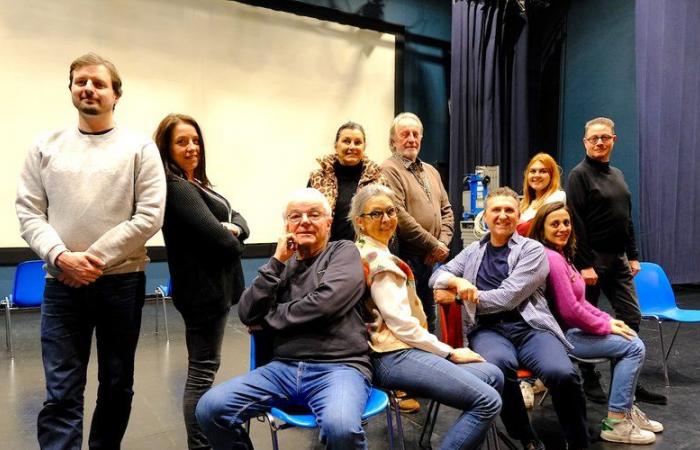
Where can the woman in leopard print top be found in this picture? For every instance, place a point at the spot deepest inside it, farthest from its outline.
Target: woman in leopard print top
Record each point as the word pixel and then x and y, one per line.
pixel 342 173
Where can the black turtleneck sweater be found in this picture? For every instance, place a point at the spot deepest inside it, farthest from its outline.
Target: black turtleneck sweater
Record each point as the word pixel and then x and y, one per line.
pixel 601 204
pixel 348 179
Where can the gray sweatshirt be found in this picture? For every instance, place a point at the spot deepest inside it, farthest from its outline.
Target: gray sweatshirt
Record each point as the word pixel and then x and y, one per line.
pixel 104 194
pixel 312 307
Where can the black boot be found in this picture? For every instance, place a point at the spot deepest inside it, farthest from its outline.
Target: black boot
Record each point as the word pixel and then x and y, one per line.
pixel 642 395
pixel 591 384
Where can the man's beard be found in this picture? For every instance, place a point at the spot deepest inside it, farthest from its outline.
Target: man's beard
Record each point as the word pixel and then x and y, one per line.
pixel 90 110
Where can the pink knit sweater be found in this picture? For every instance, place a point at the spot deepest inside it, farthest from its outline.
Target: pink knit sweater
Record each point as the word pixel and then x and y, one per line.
pixel 565 287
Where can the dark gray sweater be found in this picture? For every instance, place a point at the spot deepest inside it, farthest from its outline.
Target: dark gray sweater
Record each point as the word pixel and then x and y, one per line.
pixel 312 307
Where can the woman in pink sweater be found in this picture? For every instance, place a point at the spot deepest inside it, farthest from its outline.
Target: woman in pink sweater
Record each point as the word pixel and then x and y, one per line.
pixel 592 332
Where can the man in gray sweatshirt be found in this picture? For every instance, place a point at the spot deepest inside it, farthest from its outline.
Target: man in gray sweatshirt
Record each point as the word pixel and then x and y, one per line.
pixel 88 199
pixel 307 299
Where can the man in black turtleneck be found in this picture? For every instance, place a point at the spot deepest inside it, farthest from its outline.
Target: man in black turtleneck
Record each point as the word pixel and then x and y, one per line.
pixel 606 252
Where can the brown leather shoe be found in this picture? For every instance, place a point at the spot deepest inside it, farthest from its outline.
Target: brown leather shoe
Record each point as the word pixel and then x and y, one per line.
pixel 409 405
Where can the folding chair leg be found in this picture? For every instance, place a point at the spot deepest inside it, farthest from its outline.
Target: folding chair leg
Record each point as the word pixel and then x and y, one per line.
pixel 544 396
pixel 673 341
pixel 390 427
pixel 430 419
pixel 394 404
pixel 505 439
pixel 156 310
pixel 273 435
pixel 165 319
pixel 663 354
pixel 492 438
pixel 8 328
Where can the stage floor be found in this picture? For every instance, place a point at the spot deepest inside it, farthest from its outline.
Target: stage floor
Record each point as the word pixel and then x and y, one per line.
pixel 156 419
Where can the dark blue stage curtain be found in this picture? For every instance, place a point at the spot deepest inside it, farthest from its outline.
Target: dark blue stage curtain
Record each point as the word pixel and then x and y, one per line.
pixel 488 103
pixel 668 95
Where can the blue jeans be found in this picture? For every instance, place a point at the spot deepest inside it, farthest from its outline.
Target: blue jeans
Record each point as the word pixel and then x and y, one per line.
pixel 421 273
pixel 472 388
pixel 629 355
pixel 335 393
pixel 511 345
pixel 112 307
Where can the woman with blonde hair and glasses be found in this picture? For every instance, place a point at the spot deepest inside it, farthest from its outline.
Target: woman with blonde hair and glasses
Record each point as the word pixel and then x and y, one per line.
pixel 404 354
pixel 541 185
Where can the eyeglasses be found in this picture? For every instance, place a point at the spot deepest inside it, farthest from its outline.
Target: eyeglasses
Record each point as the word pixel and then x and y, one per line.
pixel 594 139
pixel 377 214
pixel 313 216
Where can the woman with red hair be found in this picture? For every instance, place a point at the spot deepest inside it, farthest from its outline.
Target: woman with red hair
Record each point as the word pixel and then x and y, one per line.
pixel 541 185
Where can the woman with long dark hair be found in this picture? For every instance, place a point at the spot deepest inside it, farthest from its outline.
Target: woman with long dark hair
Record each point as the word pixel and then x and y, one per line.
pixel 592 332
pixel 204 239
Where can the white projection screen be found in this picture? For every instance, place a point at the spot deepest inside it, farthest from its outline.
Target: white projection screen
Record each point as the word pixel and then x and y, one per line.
pixel 268 88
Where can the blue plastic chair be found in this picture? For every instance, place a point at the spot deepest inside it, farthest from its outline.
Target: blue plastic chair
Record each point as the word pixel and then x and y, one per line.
pixel 163 293
pixel 279 419
pixel 27 292
pixel 657 301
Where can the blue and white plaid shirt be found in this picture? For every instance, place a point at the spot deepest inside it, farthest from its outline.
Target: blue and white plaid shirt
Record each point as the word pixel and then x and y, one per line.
pixel 523 290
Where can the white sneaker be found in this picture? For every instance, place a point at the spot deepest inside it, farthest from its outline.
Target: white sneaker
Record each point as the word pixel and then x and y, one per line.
pixel 528 395
pixel 625 431
pixel 644 422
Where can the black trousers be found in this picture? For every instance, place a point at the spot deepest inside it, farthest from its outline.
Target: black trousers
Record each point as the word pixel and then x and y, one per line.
pixel 204 336
pixel 615 281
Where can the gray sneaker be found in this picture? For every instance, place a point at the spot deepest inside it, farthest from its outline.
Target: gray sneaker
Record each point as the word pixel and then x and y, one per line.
pixel 644 422
pixel 625 431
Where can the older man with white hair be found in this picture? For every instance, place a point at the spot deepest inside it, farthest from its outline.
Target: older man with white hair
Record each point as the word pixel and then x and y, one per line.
pixel 426 228
pixel 308 298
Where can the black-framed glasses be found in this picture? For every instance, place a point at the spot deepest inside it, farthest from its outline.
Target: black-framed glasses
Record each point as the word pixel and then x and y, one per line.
pixel 593 140
pixel 377 214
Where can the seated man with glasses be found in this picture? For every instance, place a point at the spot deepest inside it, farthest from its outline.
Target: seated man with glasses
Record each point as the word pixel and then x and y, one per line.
pixel 308 298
